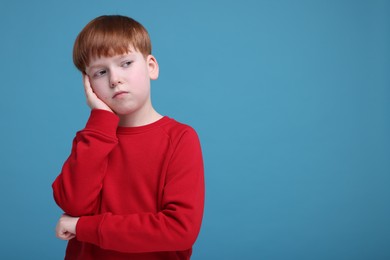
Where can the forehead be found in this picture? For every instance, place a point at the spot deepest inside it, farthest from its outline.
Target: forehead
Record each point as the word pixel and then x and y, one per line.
pixel 106 51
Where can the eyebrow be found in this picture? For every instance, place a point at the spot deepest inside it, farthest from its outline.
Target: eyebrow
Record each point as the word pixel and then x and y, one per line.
pixel 124 55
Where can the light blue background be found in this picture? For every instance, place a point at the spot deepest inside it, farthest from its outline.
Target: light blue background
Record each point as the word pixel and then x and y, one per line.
pixel 290 100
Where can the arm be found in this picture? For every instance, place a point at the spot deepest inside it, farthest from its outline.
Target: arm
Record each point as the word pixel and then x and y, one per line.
pixel 175 227
pixel 77 188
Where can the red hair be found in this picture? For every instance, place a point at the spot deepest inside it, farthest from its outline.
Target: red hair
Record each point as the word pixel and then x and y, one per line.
pixel 109 35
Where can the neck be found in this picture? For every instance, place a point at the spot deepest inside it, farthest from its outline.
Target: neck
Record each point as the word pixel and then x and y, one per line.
pixel 139 119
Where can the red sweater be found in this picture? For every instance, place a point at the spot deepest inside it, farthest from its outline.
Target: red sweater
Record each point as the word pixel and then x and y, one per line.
pixel 139 191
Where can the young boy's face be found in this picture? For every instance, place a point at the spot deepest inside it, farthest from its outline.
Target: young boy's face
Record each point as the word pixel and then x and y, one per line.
pixel 123 81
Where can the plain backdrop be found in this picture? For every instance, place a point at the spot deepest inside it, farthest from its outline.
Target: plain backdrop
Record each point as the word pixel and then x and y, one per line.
pixel 290 100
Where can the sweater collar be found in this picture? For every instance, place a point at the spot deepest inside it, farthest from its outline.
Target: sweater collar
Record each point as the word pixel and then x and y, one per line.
pixel 144 128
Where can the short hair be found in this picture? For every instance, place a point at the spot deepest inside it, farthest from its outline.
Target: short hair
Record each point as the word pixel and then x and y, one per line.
pixel 109 35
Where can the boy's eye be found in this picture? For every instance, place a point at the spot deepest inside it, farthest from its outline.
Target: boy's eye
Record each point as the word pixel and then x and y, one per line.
pixel 99 73
pixel 126 64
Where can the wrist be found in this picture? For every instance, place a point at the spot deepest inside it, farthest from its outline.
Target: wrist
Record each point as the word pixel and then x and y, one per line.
pixel 74 224
pixel 103 121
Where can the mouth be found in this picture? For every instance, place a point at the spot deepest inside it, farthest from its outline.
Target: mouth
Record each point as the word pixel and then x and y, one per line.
pixel 119 94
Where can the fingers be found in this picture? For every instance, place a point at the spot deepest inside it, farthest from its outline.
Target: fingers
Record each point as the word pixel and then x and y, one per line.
pixel 65 236
pixel 66 227
pixel 87 86
pixel 93 101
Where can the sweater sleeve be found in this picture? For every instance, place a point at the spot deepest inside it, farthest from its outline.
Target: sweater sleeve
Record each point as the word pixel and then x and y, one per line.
pixel 77 188
pixel 175 227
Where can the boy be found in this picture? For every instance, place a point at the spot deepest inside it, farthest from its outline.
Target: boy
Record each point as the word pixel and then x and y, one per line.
pixel 133 185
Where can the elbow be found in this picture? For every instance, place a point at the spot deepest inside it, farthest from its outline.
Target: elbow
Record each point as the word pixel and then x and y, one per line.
pixel 73 207
pixel 71 202
pixel 75 211
pixel 185 234
pixel 183 226
pixel 186 239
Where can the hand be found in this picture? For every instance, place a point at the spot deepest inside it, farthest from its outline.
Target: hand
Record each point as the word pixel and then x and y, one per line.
pixel 92 100
pixel 66 227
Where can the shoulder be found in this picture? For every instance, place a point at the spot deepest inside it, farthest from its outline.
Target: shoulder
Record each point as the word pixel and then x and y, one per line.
pixel 177 130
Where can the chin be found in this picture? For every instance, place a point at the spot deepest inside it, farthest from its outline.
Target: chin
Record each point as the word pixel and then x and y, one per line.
pixel 124 111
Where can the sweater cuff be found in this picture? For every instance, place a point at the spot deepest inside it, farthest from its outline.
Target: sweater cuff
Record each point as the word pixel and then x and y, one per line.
pixel 103 121
pixel 87 229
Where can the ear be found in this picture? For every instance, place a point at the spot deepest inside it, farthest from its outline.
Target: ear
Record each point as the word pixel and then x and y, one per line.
pixel 152 67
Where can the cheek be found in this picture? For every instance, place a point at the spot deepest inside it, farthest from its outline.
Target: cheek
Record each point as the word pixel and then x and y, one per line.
pixel 141 75
pixel 99 89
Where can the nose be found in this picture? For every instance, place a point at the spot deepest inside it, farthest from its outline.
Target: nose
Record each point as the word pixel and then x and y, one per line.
pixel 114 79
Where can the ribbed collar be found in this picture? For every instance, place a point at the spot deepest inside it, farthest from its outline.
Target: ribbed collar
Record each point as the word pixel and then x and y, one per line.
pixel 144 128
